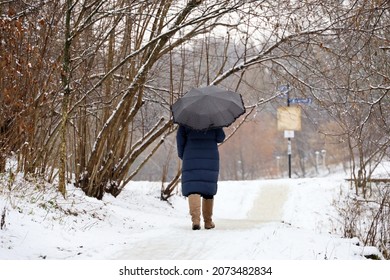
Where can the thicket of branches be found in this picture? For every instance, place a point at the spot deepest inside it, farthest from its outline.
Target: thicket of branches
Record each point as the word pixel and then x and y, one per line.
pixel 368 219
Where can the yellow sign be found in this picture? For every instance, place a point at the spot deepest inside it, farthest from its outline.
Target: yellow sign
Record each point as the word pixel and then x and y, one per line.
pixel 289 118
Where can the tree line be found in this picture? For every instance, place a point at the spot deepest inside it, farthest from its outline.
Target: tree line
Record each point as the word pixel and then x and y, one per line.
pixel 87 85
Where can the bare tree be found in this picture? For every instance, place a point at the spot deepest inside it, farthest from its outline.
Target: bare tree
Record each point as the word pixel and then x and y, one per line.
pixel 355 70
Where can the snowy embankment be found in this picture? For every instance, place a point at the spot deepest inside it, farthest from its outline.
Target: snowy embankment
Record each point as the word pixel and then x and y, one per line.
pixel 284 219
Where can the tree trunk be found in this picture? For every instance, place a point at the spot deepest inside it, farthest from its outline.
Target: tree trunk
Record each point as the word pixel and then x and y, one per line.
pixel 65 76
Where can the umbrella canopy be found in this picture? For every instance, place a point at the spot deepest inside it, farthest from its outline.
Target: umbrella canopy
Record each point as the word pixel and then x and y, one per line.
pixel 208 107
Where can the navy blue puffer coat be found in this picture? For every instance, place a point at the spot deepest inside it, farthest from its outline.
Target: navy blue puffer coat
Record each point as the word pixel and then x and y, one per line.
pixel 199 152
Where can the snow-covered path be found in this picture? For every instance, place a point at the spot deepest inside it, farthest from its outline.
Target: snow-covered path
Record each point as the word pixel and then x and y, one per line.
pixel 270 219
pixel 269 204
pixel 179 242
pixel 282 219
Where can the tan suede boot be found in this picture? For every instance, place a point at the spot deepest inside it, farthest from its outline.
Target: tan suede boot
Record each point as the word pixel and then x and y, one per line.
pixel 194 204
pixel 207 211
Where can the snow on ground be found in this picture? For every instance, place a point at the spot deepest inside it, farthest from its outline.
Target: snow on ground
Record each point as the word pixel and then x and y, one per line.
pixel 281 219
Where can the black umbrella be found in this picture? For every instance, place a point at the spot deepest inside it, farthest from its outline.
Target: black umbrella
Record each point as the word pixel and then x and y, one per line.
pixel 208 107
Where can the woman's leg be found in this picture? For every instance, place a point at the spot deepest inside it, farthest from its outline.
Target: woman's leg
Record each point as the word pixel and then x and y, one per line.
pixel 194 205
pixel 207 211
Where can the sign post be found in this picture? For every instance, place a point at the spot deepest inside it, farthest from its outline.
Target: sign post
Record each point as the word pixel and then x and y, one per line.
pixel 289 138
pixel 285 122
pixel 289 119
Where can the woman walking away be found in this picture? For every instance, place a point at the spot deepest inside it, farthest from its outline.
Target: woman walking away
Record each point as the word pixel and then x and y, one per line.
pixel 200 170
